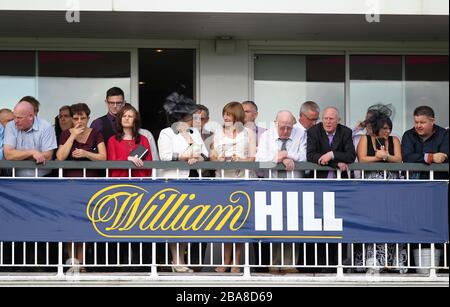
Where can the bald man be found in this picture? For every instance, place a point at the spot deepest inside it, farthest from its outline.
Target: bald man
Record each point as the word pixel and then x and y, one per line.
pixel 330 143
pixel 29 138
pixel 6 115
pixel 281 144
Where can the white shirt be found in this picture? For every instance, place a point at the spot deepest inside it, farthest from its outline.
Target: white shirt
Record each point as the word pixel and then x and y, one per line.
pixel 303 135
pixel 170 143
pixel 270 145
pixel 226 147
pixel 152 142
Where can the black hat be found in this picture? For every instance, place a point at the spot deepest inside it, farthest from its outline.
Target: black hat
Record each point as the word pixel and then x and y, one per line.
pixel 178 107
pixel 382 110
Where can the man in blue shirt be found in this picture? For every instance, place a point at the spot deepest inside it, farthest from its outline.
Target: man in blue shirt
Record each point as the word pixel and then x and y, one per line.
pixel 29 138
pixel 426 142
pixel 1 142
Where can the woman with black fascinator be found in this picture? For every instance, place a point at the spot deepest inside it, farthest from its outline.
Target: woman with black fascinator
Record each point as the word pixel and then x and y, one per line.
pixel 180 142
pixel 364 127
pixel 379 146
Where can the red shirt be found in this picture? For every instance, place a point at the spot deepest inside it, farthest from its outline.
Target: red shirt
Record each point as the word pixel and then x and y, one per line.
pixel 121 150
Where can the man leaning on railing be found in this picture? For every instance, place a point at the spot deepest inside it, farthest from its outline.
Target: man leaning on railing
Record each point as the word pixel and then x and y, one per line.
pixel 425 143
pixel 282 144
pixel 29 137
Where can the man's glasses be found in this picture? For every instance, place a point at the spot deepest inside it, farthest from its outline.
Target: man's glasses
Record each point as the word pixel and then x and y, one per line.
pixel 117 104
pixel 310 119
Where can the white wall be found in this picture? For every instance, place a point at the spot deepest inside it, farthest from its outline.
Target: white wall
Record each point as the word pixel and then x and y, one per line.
pixel 413 7
pixel 223 77
pixel 410 7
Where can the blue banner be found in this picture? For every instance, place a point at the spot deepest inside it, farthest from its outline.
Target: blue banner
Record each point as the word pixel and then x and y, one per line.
pixel 51 210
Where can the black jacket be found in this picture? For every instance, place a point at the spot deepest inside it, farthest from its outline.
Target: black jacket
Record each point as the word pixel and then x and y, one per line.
pixel 342 146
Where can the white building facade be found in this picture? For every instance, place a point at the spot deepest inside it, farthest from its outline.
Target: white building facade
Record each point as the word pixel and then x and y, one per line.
pixel 349 53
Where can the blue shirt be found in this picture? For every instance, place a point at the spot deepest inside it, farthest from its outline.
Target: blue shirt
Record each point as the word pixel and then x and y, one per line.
pixel 41 137
pixel 1 141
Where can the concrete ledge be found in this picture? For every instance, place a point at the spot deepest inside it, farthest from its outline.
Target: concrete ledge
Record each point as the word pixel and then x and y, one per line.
pixel 215 280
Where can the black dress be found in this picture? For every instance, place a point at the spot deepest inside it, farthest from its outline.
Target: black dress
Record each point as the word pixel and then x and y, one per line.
pixel 382 256
pixel 371 153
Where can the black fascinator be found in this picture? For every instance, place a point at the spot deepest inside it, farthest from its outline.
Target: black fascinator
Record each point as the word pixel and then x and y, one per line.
pixel 178 107
pixel 380 109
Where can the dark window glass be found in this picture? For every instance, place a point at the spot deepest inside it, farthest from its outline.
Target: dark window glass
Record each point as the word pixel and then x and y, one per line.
pixel 426 68
pixel 84 64
pixel 161 72
pixel 368 67
pixel 325 68
pixel 17 63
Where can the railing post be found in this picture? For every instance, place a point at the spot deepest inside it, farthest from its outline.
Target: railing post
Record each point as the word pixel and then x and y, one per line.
pixel 154 269
pixel 340 268
pixel 433 262
pixel 60 274
pixel 247 273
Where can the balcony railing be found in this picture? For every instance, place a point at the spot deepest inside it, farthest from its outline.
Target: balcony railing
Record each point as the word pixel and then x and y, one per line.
pixel 150 262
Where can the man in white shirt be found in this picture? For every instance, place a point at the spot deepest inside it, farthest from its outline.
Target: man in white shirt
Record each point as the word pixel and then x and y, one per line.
pixel 251 114
pixel 308 117
pixel 281 144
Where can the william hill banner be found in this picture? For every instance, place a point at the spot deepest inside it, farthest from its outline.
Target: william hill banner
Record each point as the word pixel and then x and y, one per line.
pixel 223 211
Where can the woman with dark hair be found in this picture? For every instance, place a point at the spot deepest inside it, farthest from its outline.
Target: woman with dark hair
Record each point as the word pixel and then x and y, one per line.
pixel 127 140
pixel 122 147
pixel 80 143
pixel 380 146
pixel 63 121
pixel 180 142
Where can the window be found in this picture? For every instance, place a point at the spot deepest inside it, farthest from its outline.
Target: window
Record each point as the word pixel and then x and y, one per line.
pixel 284 82
pixel 66 78
pixel 427 84
pixel 63 78
pixel 376 79
pixel 17 76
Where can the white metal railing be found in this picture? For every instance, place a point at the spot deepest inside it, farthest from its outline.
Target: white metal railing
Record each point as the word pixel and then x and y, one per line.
pixel 300 261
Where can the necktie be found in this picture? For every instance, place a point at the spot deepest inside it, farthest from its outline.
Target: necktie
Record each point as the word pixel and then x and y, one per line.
pixel 331 174
pixel 283 144
pixel 283 174
pixel 330 139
